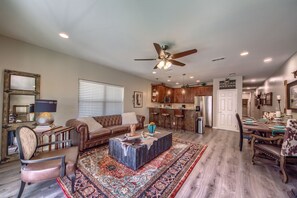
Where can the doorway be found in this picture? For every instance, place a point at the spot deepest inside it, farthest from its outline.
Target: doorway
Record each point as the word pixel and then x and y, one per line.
pixel 227 106
pixel 245 107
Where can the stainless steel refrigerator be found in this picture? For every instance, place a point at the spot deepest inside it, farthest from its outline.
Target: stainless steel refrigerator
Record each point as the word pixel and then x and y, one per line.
pixel 203 106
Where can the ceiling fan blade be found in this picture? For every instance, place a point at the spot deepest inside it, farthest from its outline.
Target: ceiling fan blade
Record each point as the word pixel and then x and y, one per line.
pixel 158 48
pixel 185 53
pixel 144 59
pixel 174 62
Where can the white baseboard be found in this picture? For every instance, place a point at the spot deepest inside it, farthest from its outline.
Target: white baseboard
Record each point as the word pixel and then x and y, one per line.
pixel 235 130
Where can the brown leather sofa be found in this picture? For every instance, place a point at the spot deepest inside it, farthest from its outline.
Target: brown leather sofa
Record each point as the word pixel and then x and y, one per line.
pixel 112 126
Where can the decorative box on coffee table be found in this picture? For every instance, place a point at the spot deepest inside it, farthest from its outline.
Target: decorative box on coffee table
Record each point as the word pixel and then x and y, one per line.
pixel 136 154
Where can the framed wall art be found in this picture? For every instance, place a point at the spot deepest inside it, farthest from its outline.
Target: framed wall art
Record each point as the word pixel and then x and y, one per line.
pixel 268 99
pixel 137 99
pixel 292 96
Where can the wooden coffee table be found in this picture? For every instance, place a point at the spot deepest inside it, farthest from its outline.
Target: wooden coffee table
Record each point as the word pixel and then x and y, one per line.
pixel 137 154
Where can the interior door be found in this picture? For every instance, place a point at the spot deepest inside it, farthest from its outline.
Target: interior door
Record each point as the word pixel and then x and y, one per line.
pixel 227 106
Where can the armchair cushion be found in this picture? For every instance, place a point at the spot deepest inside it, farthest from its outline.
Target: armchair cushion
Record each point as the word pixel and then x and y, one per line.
pixel 49 169
pixel 41 171
pixel 93 125
pixel 70 153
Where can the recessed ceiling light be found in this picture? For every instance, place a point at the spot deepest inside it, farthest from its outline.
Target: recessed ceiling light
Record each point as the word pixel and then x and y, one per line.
pixel 169 78
pixel 197 81
pixel 244 53
pixel 267 60
pixel 253 80
pixel 154 72
pixel 191 76
pixel 177 83
pixel 64 35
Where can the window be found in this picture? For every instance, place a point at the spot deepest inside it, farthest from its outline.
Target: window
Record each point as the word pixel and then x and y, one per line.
pixel 96 99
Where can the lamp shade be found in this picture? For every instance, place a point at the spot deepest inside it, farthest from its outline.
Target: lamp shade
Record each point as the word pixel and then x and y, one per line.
pixel 45 105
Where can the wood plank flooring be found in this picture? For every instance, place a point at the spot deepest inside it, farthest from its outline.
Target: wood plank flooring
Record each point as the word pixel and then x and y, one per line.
pixel 223 171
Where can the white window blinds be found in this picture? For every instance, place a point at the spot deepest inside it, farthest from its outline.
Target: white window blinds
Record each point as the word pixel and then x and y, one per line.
pixel 97 99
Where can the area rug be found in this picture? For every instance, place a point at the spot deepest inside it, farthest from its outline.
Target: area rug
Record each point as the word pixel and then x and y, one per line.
pixel 98 175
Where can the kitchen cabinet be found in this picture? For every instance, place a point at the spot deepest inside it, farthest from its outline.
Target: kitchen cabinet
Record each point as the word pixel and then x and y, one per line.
pixel 189 95
pixel 158 93
pixel 169 95
pixel 162 93
pixel 203 91
pixel 178 95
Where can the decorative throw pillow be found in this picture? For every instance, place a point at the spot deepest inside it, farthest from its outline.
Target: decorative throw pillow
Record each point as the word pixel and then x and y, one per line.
pixel 129 118
pixel 93 125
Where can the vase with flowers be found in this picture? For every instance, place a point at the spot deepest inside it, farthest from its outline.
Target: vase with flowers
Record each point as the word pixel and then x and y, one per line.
pixel 151 128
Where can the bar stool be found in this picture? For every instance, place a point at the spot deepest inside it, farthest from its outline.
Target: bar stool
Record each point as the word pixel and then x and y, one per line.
pixel 155 117
pixel 166 118
pixel 179 118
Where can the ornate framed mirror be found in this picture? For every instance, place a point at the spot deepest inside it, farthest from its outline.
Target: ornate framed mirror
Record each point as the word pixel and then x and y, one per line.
pixel 19 94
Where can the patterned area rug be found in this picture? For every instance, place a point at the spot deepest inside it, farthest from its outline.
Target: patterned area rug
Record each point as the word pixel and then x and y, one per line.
pixel 98 175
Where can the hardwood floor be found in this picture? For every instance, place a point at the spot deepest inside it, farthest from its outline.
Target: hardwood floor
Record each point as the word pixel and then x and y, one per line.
pixel 223 171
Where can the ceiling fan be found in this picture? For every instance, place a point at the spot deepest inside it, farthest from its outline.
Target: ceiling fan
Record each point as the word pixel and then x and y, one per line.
pixel 166 59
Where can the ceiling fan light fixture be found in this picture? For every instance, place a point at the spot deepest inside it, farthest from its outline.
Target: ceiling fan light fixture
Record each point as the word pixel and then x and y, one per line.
pixel 161 64
pixel 167 65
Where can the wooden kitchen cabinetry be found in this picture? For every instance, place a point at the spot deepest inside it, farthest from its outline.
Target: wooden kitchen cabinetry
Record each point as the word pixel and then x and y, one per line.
pixel 169 95
pixel 163 94
pixel 179 97
pixel 189 95
pixel 203 91
pixel 158 93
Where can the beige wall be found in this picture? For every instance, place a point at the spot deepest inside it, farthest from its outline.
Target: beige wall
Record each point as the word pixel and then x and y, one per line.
pixel 215 102
pixel 60 74
pixel 275 84
pixel 249 97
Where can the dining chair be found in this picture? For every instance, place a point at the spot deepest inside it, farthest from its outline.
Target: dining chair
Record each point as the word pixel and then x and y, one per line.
pixel 42 166
pixel 278 147
pixel 242 134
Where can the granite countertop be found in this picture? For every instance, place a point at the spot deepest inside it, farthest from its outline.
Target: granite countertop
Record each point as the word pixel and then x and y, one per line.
pixel 169 108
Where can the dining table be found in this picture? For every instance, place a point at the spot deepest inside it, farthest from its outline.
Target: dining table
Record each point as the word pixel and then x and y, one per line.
pixel 265 129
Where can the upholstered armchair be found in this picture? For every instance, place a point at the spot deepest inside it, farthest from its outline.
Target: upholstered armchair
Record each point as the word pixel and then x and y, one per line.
pixel 42 166
pixel 278 147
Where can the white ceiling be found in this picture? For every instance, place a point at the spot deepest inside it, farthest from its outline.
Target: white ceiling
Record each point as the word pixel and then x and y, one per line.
pixel 114 32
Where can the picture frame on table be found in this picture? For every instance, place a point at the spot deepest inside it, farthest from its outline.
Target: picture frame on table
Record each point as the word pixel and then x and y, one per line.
pixel 292 96
pixel 137 99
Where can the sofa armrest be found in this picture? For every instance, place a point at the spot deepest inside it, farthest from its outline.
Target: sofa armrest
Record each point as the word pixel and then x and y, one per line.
pixel 81 133
pixel 140 119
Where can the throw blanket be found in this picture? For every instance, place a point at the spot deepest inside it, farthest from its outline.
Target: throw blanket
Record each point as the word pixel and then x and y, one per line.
pixel 137 140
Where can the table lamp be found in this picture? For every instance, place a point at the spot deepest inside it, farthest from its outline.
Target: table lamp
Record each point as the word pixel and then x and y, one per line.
pixel 44 107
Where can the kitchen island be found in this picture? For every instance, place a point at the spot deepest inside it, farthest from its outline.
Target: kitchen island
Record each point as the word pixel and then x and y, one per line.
pixel 190 115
